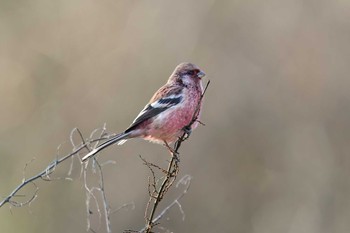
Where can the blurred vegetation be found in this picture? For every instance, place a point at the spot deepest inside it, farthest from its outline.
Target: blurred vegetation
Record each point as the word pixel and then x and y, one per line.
pixel 274 154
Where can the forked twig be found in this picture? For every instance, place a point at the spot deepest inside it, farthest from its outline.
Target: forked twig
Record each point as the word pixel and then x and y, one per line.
pixel 101 189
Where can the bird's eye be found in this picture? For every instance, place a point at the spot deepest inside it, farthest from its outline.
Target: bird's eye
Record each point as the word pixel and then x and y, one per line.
pixel 191 72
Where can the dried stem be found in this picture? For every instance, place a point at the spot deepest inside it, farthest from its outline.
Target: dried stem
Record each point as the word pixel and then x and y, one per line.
pixel 101 189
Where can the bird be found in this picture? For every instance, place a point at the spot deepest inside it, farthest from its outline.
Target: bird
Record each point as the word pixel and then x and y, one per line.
pixel 169 111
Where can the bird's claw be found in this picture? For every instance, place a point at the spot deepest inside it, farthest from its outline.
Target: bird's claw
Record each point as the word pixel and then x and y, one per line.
pixel 188 131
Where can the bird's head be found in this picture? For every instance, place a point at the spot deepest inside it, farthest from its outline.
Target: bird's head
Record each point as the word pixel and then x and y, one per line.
pixel 187 73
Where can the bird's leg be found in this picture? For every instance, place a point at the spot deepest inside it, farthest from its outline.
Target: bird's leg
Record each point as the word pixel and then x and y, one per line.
pixel 188 131
pixel 174 153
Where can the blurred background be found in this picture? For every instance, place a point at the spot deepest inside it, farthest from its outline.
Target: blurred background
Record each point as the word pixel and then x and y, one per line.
pixel 273 156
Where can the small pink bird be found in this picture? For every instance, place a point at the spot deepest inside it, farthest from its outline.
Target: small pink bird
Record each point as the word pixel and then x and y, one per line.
pixel 168 112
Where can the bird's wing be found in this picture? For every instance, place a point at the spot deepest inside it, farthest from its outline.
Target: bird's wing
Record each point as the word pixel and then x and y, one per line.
pixel 164 99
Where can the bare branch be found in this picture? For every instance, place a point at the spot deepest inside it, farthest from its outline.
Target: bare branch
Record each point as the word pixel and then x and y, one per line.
pixel 44 174
pixel 186 180
pixel 97 167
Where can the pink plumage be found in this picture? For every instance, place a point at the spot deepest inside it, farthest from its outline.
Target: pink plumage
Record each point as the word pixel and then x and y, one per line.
pixel 170 109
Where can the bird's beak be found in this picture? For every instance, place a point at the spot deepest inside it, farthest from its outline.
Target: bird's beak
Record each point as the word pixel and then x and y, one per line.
pixel 201 74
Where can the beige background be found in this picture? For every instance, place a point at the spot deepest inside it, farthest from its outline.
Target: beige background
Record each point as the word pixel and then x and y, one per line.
pixel 274 154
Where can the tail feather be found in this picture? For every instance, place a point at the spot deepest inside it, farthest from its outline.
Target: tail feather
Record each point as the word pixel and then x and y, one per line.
pixel 121 138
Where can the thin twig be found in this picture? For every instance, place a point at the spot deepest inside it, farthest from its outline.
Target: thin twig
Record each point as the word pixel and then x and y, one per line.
pixel 100 189
pixel 106 207
pixel 186 180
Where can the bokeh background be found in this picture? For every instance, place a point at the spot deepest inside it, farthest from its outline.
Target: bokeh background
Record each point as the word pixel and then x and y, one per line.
pixel 273 156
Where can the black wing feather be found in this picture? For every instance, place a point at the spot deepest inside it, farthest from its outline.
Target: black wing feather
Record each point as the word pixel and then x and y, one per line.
pixel 149 111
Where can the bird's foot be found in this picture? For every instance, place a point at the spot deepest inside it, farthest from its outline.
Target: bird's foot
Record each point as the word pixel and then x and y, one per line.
pixel 188 131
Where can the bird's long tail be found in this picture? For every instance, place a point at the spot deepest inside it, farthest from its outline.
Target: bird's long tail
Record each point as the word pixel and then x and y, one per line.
pixel 117 138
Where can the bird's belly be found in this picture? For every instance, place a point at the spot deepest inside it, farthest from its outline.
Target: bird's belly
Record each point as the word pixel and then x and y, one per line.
pixel 168 126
